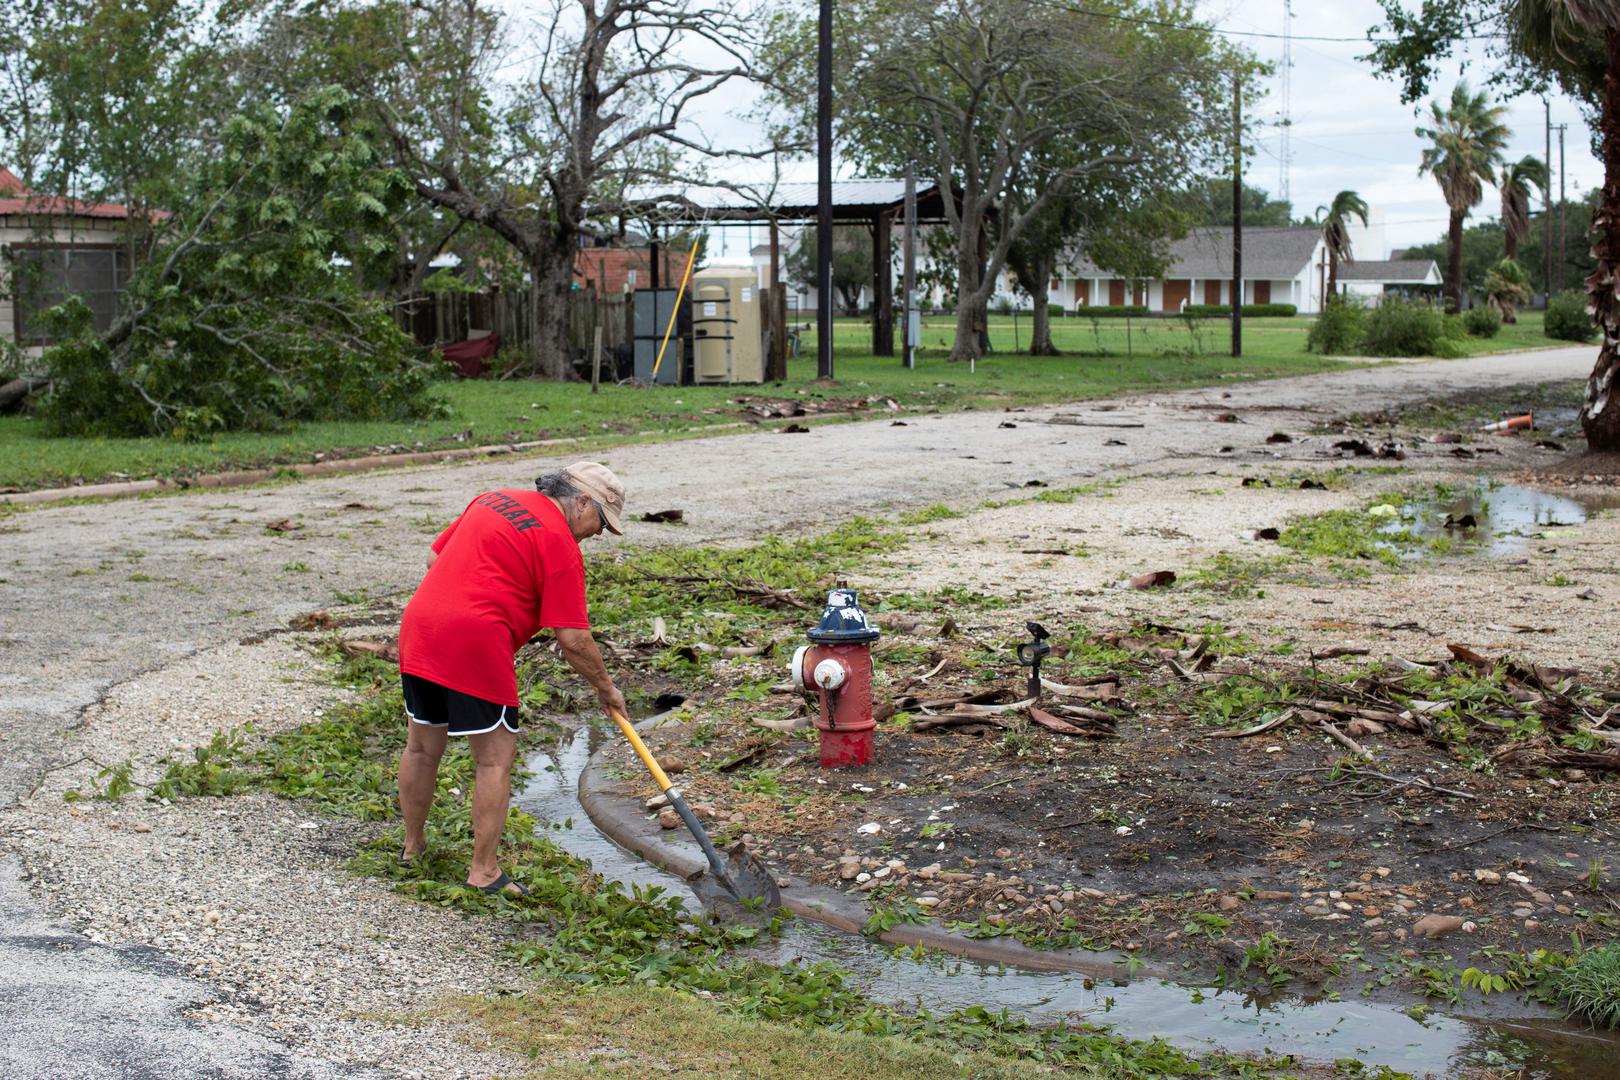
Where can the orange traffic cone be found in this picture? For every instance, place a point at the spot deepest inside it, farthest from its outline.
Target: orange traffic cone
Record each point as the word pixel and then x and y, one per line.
pixel 1518 423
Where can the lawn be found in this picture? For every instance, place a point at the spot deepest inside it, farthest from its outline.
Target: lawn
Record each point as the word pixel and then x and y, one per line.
pixel 1110 357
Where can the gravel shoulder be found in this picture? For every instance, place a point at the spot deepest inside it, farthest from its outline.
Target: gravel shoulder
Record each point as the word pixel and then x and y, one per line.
pixel 137 628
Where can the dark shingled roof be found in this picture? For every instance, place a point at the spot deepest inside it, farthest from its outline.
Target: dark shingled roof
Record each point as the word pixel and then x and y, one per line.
pixel 1276 252
pixel 1395 271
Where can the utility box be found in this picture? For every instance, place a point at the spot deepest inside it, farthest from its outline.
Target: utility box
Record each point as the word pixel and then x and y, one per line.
pixel 727 345
pixel 652 311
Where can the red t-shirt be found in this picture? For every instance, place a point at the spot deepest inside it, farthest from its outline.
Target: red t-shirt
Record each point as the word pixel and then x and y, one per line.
pixel 506 567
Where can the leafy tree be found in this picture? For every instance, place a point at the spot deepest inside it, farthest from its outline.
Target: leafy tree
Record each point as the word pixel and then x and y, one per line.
pixel 1334 222
pixel 977 92
pixel 1575 44
pixel 851 263
pixel 242 318
pixel 1210 203
pixel 1515 183
pixel 1466 139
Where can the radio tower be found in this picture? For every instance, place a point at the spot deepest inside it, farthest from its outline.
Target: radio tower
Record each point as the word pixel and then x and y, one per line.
pixel 1285 151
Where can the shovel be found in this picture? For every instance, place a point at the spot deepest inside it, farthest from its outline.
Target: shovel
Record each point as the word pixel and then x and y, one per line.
pixel 740 873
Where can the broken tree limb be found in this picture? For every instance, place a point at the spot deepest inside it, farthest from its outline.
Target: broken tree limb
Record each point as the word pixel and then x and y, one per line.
pixel 1345 741
pixel 18 389
pixel 1275 722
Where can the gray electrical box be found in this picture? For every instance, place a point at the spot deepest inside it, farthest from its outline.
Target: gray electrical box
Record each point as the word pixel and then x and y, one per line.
pixel 652 311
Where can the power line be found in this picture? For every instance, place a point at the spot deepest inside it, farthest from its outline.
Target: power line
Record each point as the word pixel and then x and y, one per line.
pixel 1224 31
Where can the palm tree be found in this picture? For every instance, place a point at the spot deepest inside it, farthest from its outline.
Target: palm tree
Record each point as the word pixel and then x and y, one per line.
pixel 1515 182
pixel 1581 38
pixel 1335 224
pixel 1467 136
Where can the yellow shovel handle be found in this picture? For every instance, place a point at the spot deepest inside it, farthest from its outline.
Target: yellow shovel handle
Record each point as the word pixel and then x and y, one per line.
pixel 673 315
pixel 641 750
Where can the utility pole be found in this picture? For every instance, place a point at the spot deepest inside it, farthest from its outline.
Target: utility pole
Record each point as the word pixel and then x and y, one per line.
pixel 1546 204
pixel 1237 215
pixel 908 282
pixel 824 211
pixel 1563 206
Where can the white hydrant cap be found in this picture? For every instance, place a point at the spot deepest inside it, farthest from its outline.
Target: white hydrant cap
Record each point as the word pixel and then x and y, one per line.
pixel 829 674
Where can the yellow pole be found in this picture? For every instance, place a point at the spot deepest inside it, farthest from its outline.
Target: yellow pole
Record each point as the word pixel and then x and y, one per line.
pixel 673 315
pixel 641 750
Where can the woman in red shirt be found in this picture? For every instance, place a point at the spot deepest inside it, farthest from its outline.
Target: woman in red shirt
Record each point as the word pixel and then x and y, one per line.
pixel 506 568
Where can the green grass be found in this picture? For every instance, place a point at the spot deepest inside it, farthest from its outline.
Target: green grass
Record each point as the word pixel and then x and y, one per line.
pixel 1154 354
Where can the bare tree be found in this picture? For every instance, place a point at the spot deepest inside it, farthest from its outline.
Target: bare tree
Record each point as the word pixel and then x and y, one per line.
pixel 601 111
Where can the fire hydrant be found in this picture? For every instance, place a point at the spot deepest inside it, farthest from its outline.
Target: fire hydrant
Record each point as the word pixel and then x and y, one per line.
pixel 838 668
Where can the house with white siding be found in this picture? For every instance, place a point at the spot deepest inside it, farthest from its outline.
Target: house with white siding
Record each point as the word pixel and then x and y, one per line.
pixel 1281 265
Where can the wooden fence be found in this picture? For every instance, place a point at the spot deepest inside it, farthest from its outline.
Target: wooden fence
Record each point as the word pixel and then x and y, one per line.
pixel 443 318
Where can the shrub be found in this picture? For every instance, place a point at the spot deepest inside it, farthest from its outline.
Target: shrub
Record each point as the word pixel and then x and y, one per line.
pixel 1399 327
pixel 1249 310
pixel 1567 319
pixel 1338 329
pixel 1055 310
pixel 1483 322
pixel 1104 311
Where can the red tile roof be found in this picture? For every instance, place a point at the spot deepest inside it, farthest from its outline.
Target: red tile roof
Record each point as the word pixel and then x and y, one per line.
pixel 16 198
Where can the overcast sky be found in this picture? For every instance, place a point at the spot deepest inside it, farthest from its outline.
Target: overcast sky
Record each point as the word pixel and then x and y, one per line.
pixel 1349 128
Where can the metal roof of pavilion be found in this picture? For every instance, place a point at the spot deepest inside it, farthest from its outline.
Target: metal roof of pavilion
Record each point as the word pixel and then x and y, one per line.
pixel 786 202
pixel 1392 271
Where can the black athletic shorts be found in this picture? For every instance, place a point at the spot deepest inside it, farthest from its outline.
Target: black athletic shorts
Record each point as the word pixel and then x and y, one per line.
pixel 431 705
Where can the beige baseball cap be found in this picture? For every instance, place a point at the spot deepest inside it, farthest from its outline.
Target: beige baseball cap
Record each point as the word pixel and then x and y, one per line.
pixel 597 480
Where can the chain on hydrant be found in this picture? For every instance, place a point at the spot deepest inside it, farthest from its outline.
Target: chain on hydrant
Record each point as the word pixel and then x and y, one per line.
pixel 837 668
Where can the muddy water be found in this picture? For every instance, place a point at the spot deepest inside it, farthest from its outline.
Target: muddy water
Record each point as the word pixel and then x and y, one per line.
pixel 1506 518
pixel 1197 1020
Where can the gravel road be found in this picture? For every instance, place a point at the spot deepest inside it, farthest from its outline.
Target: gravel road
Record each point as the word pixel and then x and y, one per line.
pixel 233 944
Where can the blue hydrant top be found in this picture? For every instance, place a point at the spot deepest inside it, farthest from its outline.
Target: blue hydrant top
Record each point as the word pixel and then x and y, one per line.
pixel 843 622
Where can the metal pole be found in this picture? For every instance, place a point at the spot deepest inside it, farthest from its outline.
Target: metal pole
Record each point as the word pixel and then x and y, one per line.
pixel 1546 206
pixel 909 284
pixel 824 212
pixel 1237 216
pixel 1563 207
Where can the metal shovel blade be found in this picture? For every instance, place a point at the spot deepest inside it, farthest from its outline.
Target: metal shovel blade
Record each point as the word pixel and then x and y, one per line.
pixel 749 879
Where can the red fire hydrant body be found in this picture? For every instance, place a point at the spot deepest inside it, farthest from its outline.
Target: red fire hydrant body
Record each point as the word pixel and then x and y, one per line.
pixel 838 669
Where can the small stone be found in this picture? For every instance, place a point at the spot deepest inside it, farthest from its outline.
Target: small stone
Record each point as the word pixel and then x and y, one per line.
pixel 657 802
pixel 1004 852
pixel 1465 901
pixel 871 828
pixel 1229 903
pixel 1514 875
pixel 668 818
pixel 1273 894
pixel 927 901
pixel 882 872
pixel 848 871
pixel 1532 924
pixel 1382 871
pixel 141 827
pixel 1541 897
pixel 673 765
pixel 1433 926
pixel 1372 924
pixel 1487 877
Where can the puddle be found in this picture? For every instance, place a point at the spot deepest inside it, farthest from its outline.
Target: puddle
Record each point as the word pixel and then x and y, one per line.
pixel 1504 518
pixel 1196 1020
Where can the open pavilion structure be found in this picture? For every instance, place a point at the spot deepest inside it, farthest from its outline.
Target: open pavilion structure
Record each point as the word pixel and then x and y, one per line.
pixel 877 204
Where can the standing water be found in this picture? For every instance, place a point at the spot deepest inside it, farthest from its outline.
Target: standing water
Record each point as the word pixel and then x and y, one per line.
pixel 1191 1018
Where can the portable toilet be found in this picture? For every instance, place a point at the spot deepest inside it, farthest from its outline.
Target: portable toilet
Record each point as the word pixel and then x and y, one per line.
pixel 727 342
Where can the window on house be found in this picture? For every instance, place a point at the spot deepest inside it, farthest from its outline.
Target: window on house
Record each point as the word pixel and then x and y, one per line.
pixel 631 278
pixel 43 277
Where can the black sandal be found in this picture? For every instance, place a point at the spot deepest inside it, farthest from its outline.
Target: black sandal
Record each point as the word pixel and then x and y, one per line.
pixel 500 884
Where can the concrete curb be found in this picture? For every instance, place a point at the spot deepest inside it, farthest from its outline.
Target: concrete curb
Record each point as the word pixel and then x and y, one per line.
pixel 622 819
pixel 254 476
pixel 338 466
